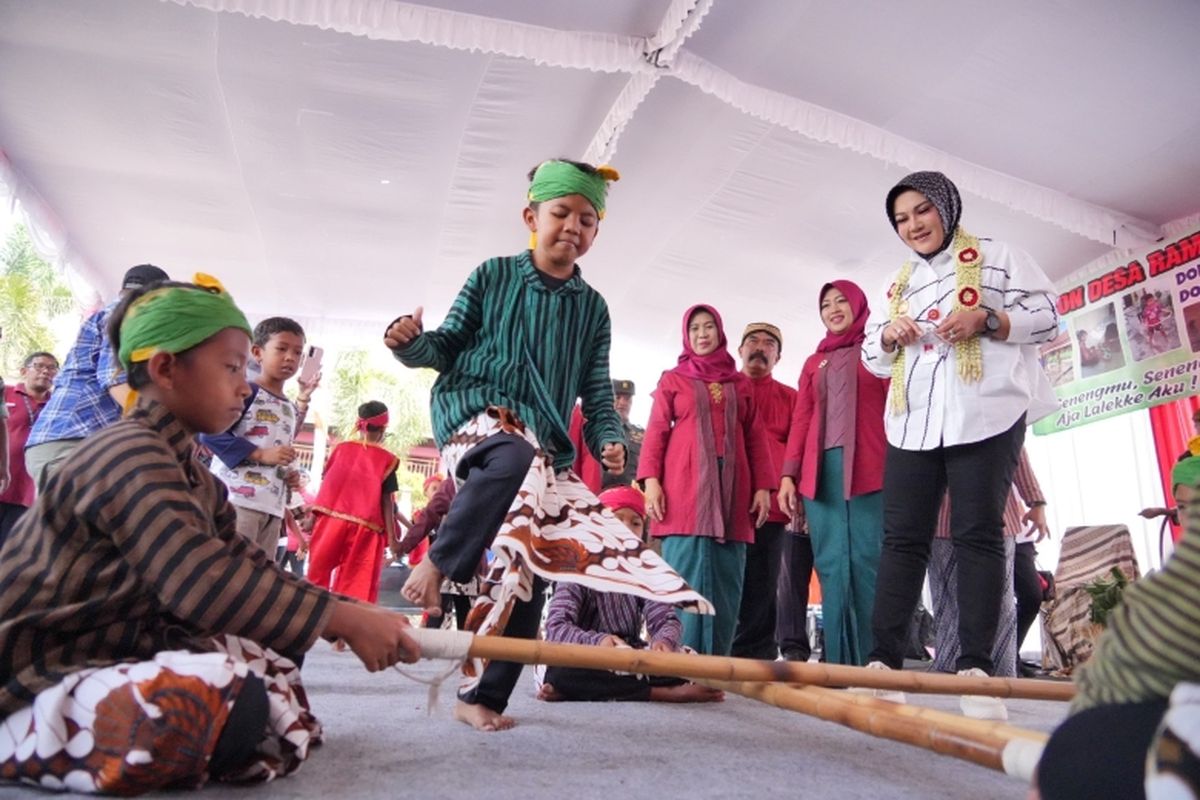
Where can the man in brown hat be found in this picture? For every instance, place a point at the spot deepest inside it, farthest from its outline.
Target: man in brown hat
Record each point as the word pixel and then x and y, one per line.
pixel 762 344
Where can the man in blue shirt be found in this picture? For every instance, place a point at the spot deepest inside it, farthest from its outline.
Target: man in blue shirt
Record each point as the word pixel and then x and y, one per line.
pixel 88 391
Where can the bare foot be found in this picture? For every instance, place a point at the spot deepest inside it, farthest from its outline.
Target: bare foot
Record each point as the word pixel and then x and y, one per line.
pixel 482 718
pixel 686 693
pixel 549 694
pixel 339 645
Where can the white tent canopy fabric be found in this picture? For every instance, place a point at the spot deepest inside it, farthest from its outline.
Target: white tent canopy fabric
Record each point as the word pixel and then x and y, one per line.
pixel 343 161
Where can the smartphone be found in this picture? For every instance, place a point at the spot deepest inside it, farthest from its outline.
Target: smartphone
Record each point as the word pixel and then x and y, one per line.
pixel 311 367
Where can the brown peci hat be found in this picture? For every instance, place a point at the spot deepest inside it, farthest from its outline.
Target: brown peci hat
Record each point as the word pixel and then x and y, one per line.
pixel 763 327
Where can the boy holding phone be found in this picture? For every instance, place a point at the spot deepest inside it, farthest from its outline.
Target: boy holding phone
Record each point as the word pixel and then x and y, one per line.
pixel 252 457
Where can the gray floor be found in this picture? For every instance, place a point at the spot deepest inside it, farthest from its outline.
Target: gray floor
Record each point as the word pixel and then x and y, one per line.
pixel 380 744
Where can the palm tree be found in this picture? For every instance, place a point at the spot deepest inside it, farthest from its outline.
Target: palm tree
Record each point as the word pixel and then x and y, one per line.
pixel 359 376
pixel 32 294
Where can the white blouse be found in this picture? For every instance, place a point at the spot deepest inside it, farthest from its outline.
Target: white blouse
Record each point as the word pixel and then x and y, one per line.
pixel 942 409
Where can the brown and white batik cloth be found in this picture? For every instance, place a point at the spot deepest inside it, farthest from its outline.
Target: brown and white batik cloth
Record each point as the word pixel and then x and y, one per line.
pixel 142 726
pixel 557 529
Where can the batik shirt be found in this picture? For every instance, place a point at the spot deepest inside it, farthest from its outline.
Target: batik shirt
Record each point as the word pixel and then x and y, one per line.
pixel 269 421
pixel 132 550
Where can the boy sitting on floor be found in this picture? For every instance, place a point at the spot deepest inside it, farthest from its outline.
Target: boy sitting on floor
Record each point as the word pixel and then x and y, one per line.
pixel 140 635
pixel 579 615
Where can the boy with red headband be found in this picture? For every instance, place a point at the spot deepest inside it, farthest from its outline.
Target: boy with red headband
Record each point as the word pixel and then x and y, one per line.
pixel 579 615
pixel 525 339
pixel 354 516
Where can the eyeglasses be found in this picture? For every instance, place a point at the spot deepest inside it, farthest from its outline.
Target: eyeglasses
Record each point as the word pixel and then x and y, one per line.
pixel 43 367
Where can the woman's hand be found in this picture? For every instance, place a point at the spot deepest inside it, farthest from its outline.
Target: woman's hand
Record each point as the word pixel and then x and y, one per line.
pixel 760 507
pixel 961 325
pixel 656 501
pixel 901 331
pixel 787 495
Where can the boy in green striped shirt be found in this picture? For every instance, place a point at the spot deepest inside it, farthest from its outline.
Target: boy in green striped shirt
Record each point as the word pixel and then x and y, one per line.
pixel 525 338
pixel 1141 683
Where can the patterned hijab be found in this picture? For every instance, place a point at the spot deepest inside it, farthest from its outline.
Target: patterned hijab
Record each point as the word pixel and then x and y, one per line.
pixel 716 367
pixel 940 191
pixel 856 333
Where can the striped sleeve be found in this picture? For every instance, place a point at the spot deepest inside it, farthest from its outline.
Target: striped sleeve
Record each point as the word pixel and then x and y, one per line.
pixel 218 583
pixel 438 349
pixel 564 619
pixel 662 624
pixel 1026 482
pixel 602 424
pixel 1153 638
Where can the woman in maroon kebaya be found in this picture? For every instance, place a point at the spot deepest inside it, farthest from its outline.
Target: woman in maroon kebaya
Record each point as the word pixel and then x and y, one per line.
pixel 707 475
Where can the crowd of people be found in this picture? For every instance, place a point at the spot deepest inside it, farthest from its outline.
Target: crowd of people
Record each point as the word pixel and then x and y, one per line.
pixel 132 575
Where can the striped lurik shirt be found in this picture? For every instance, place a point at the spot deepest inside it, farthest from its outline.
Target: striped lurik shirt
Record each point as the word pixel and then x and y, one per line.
pixel 1153 637
pixel 132 550
pixel 579 615
pixel 511 341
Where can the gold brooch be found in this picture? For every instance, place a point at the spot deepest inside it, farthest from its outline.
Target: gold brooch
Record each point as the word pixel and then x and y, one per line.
pixel 717 392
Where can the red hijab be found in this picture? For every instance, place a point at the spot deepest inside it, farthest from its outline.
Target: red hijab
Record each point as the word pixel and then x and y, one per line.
pixel 716 367
pixel 856 333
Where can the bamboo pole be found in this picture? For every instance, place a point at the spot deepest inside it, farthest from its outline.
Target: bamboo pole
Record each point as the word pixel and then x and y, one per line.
pixel 457 644
pixel 998 746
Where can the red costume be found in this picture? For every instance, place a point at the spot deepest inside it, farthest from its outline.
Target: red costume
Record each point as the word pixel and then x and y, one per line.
pixel 586 466
pixel 349 532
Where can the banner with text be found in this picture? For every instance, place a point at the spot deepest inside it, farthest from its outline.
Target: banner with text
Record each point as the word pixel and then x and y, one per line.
pixel 1129 337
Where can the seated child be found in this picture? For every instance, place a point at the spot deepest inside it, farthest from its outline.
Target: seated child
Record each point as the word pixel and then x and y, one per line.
pixel 254 455
pixel 579 615
pixel 1134 728
pixel 140 635
pixel 353 516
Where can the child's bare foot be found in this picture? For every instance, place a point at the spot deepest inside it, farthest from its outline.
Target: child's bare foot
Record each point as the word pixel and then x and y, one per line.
pixel 549 694
pixel 686 693
pixel 482 718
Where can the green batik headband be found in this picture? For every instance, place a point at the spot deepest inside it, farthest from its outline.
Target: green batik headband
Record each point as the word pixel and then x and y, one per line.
pixel 559 178
pixel 177 318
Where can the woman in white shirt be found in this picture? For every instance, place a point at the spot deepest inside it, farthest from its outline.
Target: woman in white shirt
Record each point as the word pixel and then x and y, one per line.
pixel 959 343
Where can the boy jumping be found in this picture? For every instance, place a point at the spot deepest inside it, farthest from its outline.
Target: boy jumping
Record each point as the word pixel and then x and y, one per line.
pixel 525 338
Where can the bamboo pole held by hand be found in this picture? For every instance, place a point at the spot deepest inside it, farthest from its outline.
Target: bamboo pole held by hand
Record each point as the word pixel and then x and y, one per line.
pixel 459 644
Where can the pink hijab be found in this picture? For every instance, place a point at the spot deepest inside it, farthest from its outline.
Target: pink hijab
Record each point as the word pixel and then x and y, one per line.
pixel 856 333
pixel 716 367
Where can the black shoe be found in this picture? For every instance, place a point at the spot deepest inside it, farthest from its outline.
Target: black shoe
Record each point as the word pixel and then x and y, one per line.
pixel 1027 670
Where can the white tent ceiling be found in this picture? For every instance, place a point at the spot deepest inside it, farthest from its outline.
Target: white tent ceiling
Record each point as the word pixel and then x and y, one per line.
pixel 342 161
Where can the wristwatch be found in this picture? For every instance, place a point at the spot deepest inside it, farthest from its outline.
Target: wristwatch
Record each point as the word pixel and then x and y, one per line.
pixel 992 324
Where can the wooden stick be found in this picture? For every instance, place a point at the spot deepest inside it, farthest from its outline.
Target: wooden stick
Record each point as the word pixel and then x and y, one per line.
pixel 456 644
pixel 1005 748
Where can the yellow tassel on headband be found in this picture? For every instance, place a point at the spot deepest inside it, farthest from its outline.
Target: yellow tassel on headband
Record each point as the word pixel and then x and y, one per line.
pixel 173 319
pixel 560 178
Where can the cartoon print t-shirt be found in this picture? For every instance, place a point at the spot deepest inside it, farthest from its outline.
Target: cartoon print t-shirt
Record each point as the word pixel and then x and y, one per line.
pixel 269 422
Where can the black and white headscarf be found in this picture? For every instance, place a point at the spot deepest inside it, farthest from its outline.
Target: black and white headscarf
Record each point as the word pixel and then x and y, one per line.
pixel 941 191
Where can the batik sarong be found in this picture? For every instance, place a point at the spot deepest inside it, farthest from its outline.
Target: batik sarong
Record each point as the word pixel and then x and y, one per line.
pixel 557 529
pixel 137 727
